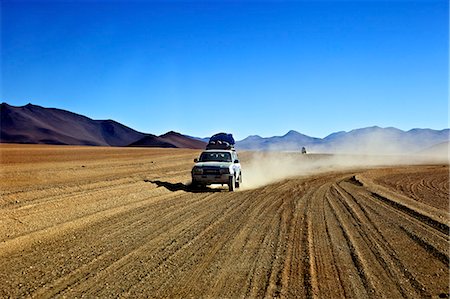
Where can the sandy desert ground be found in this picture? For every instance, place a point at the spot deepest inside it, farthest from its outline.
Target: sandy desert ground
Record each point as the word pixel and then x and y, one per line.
pixel 108 222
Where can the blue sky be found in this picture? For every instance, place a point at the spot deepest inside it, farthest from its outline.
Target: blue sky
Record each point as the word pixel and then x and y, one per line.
pixel 245 67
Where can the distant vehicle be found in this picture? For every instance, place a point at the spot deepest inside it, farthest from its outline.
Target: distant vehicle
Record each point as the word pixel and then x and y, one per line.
pixel 303 150
pixel 218 164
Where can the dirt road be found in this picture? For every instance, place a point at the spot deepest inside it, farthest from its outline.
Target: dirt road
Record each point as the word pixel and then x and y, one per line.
pixel 107 222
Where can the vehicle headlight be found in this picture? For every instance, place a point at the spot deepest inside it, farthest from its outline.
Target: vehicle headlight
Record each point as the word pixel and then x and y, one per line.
pixel 197 170
pixel 224 170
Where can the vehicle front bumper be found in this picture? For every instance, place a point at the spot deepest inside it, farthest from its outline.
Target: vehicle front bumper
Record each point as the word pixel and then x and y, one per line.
pixel 208 179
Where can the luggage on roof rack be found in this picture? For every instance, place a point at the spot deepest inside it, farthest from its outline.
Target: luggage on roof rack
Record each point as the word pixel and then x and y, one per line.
pixel 219 145
pixel 222 137
pixel 221 141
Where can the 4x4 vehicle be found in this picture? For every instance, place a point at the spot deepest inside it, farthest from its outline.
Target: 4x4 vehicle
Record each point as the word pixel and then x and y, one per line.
pixel 219 164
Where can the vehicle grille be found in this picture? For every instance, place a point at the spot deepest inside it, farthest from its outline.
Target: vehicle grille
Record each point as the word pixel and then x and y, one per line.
pixel 215 171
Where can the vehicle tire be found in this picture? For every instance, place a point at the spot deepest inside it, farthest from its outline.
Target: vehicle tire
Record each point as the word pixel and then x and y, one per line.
pixel 232 183
pixel 197 185
pixel 239 181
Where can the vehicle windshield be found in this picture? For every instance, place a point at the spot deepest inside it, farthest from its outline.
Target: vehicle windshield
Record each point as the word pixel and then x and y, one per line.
pixel 215 156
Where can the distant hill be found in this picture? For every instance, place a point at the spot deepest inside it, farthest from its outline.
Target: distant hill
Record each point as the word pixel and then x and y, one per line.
pixel 39 125
pixel 204 139
pixel 170 139
pixel 182 141
pixel 151 141
pixel 291 141
pixel 383 140
pixel 365 140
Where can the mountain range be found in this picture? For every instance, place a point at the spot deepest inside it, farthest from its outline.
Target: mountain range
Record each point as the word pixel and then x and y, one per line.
pixel 368 140
pixel 39 125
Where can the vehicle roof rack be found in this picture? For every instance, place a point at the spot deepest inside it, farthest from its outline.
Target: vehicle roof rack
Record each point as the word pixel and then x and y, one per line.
pixel 219 145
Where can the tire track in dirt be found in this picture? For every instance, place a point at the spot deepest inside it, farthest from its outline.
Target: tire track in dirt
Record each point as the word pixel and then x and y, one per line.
pixel 428 183
pixel 114 228
pixel 338 234
pixel 419 224
pixel 379 246
pixel 404 224
pixel 355 250
pixel 442 227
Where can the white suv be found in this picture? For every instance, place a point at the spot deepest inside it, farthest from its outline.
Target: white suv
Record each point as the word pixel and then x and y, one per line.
pixel 217 166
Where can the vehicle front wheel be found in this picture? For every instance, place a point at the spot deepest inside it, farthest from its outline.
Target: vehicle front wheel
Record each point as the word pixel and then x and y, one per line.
pixel 232 183
pixel 239 181
pixel 197 185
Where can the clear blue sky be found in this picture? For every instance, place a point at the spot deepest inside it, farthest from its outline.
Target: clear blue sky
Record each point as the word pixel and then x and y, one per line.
pixel 245 67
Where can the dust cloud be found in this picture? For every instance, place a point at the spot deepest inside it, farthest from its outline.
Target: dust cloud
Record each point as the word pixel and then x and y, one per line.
pixel 262 168
pixel 368 148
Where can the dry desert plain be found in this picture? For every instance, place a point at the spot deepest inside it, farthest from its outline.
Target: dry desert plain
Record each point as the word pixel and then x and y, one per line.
pixel 123 222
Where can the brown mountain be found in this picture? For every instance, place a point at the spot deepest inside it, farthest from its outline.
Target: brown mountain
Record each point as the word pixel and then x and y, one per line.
pixel 170 139
pixel 35 124
pixel 152 141
pixel 182 141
